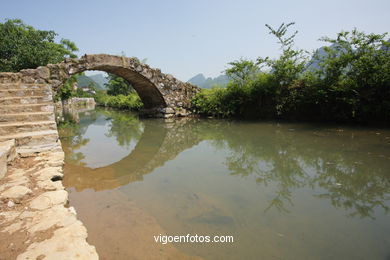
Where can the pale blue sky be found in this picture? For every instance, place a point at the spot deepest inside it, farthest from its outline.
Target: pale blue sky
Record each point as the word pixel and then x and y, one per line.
pixel 186 37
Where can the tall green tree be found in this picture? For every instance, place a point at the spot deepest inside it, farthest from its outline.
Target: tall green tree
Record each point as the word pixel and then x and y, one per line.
pixel 24 47
pixel 242 71
pixel 118 86
pixel 355 75
pixel 292 62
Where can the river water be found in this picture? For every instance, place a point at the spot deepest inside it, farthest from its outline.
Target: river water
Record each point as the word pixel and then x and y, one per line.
pixel 281 190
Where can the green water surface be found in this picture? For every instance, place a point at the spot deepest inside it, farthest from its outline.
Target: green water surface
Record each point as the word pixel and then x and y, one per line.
pixel 282 190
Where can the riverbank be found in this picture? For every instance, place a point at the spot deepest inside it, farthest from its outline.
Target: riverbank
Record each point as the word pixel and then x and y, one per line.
pixel 35 220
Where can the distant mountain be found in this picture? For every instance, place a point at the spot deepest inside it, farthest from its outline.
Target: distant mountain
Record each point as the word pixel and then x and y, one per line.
pixel 197 80
pixel 201 81
pixel 85 81
pixel 97 81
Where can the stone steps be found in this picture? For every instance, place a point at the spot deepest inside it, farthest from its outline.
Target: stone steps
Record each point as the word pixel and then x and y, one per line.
pixel 24 92
pixel 18 127
pixel 33 138
pixel 24 86
pixel 25 100
pixel 20 108
pixel 31 150
pixel 27 117
pixel 9 77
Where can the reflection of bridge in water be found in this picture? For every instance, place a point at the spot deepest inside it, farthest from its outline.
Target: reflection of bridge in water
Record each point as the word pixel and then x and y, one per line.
pixel 158 144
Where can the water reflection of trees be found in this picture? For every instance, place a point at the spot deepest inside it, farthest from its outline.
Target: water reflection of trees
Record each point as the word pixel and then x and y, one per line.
pixel 338 165
pixel 72 140
pixel 354 186
pixel 124 127
pixel 333 163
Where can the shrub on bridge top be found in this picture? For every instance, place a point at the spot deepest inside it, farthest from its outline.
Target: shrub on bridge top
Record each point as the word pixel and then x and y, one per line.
pixel 24 47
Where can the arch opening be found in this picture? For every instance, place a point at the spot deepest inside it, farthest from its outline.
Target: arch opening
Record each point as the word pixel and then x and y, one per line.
pixel 147 91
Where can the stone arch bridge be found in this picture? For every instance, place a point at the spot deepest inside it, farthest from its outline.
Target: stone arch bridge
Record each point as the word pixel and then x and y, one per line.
pixel 162 94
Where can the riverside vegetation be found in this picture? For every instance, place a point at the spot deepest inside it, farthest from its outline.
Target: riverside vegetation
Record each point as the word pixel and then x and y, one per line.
pixel 349 81
pixel 120 94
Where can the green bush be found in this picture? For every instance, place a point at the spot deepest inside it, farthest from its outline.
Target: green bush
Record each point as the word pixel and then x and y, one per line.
pixel 131 101
pixel 211 101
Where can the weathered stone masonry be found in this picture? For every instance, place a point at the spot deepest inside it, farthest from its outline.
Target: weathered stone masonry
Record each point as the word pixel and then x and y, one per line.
pixel 162 94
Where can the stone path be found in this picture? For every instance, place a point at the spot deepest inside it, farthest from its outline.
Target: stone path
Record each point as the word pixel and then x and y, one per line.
pixel 35 222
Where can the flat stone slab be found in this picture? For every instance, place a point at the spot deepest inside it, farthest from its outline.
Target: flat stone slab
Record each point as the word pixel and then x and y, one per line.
pixel 66 243
pixel 49 199
pixel 15 192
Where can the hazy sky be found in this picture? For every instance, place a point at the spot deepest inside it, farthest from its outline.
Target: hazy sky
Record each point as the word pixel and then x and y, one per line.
pixel 187 37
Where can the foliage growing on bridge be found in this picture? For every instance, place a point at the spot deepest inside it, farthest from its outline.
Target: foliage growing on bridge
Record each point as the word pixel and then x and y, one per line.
pixel 351 83
pixel 24 47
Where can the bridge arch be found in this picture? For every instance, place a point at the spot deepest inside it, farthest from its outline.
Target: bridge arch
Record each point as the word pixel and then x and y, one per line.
pixel 162 94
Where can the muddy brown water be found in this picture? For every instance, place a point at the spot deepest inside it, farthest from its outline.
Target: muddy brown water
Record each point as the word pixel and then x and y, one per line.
pixel 282 190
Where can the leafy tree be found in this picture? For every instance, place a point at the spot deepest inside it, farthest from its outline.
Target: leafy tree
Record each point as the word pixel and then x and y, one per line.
pixel 291 63
pixel 118 86
pixel 357 73
pixel 24 47
pixel 242 71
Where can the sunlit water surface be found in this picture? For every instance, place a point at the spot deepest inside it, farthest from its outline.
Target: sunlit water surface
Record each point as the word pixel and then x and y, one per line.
pixel 282 190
